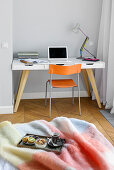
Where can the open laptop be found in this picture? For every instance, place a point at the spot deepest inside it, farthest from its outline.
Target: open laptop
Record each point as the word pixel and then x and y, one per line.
pixel 57 54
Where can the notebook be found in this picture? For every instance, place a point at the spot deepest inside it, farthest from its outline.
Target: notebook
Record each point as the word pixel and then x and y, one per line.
pixel 59 53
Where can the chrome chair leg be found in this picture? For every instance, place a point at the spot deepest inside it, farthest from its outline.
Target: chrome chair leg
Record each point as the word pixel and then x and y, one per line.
pixel 79 96
pixel 72 95
pixel 50 104
pixel 46 94
pixel 50 95
pixel 79 102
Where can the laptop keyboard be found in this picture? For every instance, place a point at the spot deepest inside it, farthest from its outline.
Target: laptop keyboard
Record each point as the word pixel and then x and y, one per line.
pixel 60 62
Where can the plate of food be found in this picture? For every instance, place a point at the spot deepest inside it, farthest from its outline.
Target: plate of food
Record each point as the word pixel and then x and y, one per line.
pixel 28 140
pixel 41 143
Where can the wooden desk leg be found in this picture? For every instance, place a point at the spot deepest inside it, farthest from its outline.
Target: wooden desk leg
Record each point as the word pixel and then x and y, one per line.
pixel 93 84
pixel 23 79
pixel 85 76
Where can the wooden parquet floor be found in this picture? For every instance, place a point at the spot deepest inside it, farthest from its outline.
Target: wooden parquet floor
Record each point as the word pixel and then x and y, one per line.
pixel 30 110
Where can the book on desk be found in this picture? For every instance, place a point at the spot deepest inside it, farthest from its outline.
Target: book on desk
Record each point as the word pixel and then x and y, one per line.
pixel 27 55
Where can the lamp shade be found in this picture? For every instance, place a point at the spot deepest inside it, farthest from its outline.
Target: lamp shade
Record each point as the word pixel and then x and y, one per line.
pixel 76 28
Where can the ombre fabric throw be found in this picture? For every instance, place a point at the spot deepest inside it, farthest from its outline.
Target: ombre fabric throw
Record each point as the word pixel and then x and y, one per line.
pixel 85 148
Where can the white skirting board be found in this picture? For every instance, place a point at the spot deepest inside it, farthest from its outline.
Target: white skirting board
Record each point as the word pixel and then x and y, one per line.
pixel 41 95
pixel 6 109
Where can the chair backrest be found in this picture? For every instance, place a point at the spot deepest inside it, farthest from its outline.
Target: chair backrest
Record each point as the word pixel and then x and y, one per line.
pixel 64 70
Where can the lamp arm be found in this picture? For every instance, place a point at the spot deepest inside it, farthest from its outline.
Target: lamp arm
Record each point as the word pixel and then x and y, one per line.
pixel 82 32
pixel 84 43
pixel 89 52
pixel 83 46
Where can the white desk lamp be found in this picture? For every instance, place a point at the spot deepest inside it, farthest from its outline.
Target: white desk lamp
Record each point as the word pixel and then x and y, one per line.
pixel 77 29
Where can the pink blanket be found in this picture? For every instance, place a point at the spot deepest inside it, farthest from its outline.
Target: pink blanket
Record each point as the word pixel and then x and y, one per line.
pixel 85 148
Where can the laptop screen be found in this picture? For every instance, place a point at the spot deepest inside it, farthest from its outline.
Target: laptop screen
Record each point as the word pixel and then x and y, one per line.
pixel 57 53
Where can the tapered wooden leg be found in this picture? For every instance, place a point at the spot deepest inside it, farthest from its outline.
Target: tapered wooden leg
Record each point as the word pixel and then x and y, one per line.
pixel 93 84
pixel 22 83
pixel 85 76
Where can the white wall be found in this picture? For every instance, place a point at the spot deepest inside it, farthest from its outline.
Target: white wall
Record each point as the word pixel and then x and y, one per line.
pixel 40 23
pixel 6 56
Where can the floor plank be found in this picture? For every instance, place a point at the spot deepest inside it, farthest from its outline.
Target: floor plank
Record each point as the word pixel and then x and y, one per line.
pixel 30 110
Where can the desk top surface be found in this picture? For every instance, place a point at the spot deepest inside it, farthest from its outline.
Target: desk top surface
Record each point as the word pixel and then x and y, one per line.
pixel 43 64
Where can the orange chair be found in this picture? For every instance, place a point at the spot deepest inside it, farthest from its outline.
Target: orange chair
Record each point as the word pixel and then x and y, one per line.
pixel 63 83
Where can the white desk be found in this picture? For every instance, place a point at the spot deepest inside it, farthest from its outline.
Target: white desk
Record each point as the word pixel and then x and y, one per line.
pixel 44 65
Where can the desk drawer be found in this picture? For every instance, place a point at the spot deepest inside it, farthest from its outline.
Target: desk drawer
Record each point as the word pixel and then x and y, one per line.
pixel 39 67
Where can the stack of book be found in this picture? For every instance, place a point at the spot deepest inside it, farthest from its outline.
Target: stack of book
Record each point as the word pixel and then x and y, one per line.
pixel 27 55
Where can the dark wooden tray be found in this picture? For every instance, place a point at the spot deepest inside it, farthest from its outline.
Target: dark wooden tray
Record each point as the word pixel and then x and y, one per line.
pixel 47 147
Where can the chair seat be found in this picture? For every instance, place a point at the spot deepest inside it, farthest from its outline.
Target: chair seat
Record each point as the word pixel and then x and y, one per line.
pixel 62 83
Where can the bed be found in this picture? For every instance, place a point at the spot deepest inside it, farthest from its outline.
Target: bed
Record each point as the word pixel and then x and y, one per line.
pixel 85 147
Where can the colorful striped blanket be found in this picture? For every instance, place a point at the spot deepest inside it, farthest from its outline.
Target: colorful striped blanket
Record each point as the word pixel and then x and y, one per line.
pixel 85 148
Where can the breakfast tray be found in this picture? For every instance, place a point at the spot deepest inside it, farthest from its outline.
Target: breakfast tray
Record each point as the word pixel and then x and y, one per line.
pixel 47 147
